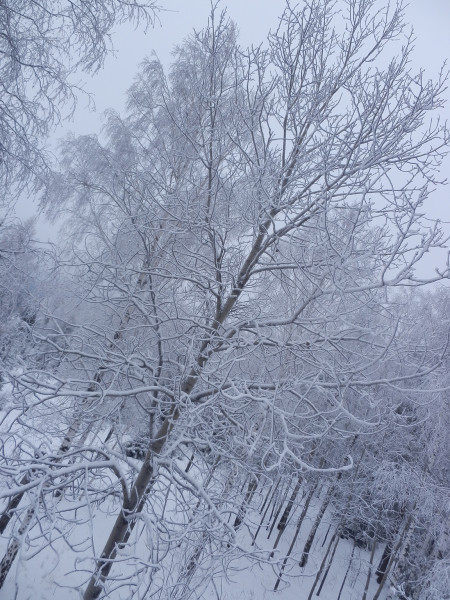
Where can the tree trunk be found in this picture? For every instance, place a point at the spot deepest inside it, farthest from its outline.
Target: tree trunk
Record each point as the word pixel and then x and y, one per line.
pixel 14 546
pixel 369 572
pixel 399 570
pixel 384 561
pixel 324 578
pixel 251 489
pixel 326 535
pixel 11 506
pixel 190 463
pixel 346 572
pixel 322 564
pixel 282 496
pixel 299 524
pixel 266 499
pixel 312 534
pixel 401 538
pixel 134 503
pixel 132 506
pixel 287 511
pixel 265 511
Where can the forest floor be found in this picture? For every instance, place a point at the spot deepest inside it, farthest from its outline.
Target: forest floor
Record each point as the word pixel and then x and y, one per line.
pixel 50 572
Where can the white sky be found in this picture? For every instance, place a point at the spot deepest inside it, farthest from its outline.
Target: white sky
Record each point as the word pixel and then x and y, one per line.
pixel 429 18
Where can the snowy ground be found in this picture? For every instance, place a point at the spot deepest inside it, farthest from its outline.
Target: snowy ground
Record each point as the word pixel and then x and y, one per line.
pixel 49 574
pixel 61 568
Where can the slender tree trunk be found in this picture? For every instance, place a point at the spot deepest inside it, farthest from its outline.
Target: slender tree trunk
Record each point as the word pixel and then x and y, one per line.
pixel 347 571
pixel 322 564
pixel 14 546
pixel 326 535
pixel 266 499
pixel 265 512
pixel 287 511
pixel 187 572
pixel 190 463
pixel 384 561
pixel 251 489
pixel 306 506
pixel 312 534
pixel 401 538
pixel 330 561
pixel 299 524
pixel 11 506
pixel 283 495
pixel 398 570
pixel 369 572
pixel 131 507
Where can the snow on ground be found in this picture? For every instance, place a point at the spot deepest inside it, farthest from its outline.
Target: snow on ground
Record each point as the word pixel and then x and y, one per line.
pixel 61 568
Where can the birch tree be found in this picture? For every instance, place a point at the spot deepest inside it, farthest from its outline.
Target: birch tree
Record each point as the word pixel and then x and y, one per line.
pixel 43 43
pixel 252 214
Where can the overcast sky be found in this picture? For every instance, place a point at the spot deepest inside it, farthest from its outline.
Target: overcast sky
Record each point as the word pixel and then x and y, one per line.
pixel 429 18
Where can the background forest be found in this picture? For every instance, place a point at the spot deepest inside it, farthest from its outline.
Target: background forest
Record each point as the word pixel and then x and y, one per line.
pixel 230 377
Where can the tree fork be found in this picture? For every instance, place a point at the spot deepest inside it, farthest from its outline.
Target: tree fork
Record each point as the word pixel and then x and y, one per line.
pixel 125 521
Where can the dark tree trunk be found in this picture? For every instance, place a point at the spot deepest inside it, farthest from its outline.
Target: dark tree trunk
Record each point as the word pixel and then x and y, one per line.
pixel 395 550
pixel 333 552
pixel 285 516
pixel 264 514
pixel 382 566
pixel 326 535
pixel 312 534
pixel 190 463
pixel 11 506
pixel 251 489
pixel 322 564
pixel 369 572
pixel 299 524
pixel 347 571
pixel 283 495
pixel 266 499
pixel 14 546
pixel 287 511
pixel 131 507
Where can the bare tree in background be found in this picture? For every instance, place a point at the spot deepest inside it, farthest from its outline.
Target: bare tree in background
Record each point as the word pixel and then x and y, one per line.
pixel 250 216
pixel 43 44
